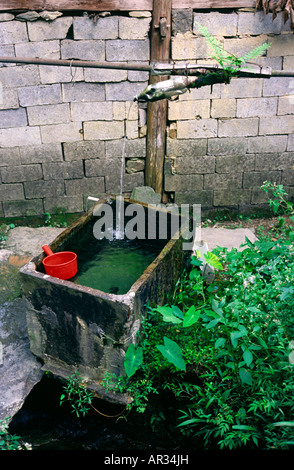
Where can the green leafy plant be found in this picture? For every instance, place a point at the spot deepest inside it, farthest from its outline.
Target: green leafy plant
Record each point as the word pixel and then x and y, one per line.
pixel 223 351
pixel 228 61
pixel 10 441
pixel 76 392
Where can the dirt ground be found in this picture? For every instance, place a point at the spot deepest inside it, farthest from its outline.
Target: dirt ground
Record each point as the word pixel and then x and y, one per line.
pixel 266 225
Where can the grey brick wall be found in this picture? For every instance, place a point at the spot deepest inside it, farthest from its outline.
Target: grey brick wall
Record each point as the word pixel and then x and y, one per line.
pixel 224 143
pixel 62 129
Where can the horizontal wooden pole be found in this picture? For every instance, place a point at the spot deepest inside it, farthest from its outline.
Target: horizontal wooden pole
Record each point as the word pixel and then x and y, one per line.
pixel 117 5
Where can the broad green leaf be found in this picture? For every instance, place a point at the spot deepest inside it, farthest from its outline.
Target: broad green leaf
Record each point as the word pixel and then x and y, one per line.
pixel 245 376
pixel 191 316
pixel 212 260
pixel 248 357
pixel 219 343
pixel 216 307
pixel 168 315
pixel 172 352
pixel 235 335
pixel 177 312
pixel 284 423
pixel 133 359
pixel 243 427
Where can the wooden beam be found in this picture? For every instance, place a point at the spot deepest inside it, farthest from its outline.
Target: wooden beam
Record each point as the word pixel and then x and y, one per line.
pixel 157 111
pixel 118 5
pixel 78 5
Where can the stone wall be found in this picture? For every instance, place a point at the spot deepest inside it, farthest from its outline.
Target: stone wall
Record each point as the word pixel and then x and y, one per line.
pixel 224 143
pixel 62 129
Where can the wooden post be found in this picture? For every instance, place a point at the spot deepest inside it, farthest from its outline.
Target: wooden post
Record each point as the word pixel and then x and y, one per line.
pixel 157 111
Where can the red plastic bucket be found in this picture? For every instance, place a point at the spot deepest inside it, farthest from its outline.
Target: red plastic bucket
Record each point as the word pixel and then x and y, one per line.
pixel 62 265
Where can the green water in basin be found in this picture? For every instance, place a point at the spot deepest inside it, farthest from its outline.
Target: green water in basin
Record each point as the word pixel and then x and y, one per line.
pixel 114 266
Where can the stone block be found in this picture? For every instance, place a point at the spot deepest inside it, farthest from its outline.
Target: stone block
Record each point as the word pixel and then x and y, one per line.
pixel 83 150
pixel 19 136
pixel 19 76
pixel 223 24
pixel 203 93
pixel 287 177
pixel 23 208
pixel 124 50
pixel 41 153
pixel 277 86
pixel 54 74
pixel 223 180
pixel 183 182
pixel 138 76
pixel 103 28
pixel 274 161
pixel 189 47
pixel 258 196
pixel 6 17
pixel 231 197
pixel 80 92
pixel 9 156
pixel 255 179
pixel 13 118
pixel 69 204
pixel 39 49
pixel 281 45
pixel 126 110
pixel 242 88
pixel 86 186
pixel 227 146
pixel 83 50
pixel 290 144
pixel 48 114
pixel 182 110
pixel 11 192
pixel 124 91
pixel 103 130
pixel 267 144
pixel 8 51
pixel 102 167
pixel 132 131
pixel 66 132
pixel 38 95
pixel 203 197
pixel 223 108
pixel 258 23
pixel 105 75
pixel 276 125
pixel 234 163
pixel 21 173
pixel 133 148
pixel 238 127
pixel 286 104
pixel 90 112
pixel 63 171
pixel 135 165
pixel 192 165
pixel 9 99
pixel 242 45
pixel 40 189
pixel 251 107
pixel 197 128
pixel 288 62
pixel 133 28
pixel 13 32
pixel 112 182
pixel 186 147
pixel 42 31
pixel 182 21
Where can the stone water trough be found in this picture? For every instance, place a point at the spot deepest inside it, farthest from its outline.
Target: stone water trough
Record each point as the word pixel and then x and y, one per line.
pixel 76 328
